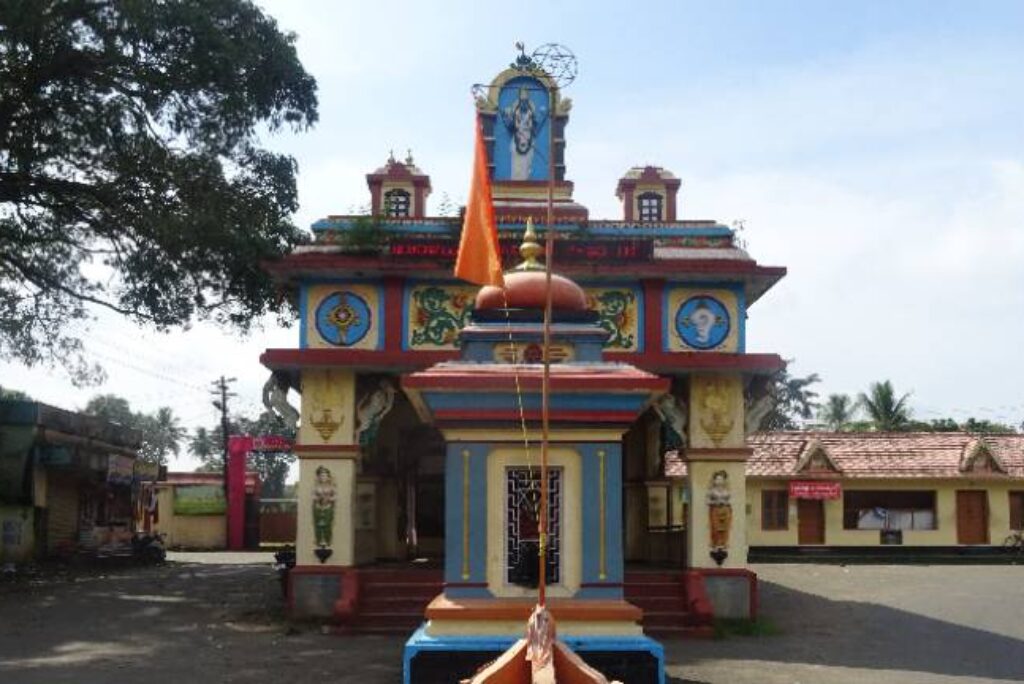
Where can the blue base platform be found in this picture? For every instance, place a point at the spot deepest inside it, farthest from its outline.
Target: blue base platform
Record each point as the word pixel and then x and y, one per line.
pixel 601 649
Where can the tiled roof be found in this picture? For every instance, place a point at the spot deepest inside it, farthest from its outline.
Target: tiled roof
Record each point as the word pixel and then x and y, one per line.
pixel 875 454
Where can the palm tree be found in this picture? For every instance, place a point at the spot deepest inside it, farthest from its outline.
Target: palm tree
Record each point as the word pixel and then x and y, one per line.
pixel 887 413
pixel 162 435
pixel 838 411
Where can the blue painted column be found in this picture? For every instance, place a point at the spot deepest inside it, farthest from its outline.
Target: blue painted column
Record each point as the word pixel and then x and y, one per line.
pixel 602 520
pixel 465 520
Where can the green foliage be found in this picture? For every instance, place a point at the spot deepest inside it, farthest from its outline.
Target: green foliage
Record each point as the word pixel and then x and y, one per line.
pixel 838 411
pixel 365 234
pixel 131 175
pixel 886 412
pixel 974 425
pixel 13 394
pixel 943 425
pixel 795 401
pixel 162 433
pixel 207 446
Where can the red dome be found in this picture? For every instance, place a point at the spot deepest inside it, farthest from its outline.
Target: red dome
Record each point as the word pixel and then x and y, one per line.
pixel 525 290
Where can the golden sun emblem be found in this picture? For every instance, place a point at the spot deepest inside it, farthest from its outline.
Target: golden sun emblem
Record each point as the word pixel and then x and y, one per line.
pixel 343 317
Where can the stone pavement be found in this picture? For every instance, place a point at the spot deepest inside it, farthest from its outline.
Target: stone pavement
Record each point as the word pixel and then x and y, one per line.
pixel 218 618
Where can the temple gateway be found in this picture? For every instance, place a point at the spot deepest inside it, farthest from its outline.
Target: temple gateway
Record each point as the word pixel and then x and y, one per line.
pixel 419 436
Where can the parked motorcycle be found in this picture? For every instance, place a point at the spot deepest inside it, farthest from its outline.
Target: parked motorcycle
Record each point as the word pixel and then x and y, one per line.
pixel 284 561
pixel 148 548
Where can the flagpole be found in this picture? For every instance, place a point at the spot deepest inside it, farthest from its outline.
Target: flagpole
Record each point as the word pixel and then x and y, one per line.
pixel 549 257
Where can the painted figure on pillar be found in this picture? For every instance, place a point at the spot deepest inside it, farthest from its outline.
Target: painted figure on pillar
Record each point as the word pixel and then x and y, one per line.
pixel 324 496
pixel 672 411
pixel 523 121
pixel 719 515
pixel 371 411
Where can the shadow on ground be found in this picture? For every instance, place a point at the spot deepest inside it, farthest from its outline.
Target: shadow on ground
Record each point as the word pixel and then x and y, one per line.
pixel 856 634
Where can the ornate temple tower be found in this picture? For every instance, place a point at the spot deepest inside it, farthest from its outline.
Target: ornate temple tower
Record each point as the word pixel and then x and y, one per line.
pixel 648 194
pixel 398 189
pixel 402 371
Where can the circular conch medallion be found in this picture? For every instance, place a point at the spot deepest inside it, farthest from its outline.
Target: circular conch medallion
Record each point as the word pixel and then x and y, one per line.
pixel 702 322
pixel 343 318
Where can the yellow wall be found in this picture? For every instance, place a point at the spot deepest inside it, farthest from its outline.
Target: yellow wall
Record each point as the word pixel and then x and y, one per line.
pixel 188 531
pixel 945 533
pixel 572 518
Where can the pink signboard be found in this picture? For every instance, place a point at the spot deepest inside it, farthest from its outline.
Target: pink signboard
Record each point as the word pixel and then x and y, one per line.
pixel 815 489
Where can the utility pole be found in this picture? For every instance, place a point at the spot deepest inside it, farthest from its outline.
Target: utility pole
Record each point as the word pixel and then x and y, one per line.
pixel 220 402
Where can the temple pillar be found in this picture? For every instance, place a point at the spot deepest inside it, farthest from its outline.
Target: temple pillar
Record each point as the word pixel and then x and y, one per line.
pixel 716 471
pixel 323 579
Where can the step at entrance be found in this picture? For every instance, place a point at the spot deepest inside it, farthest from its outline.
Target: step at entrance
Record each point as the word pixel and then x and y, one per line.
pixel 662 597
pixel 393 600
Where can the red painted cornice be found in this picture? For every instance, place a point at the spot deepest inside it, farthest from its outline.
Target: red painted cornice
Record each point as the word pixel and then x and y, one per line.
pixel 665 363
pixel 322 264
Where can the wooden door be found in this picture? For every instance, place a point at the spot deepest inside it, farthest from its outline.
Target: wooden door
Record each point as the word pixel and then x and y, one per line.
pixel 972 517
pixel 810 515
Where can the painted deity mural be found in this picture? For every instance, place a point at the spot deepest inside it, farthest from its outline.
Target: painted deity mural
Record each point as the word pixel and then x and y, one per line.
pixel 521 131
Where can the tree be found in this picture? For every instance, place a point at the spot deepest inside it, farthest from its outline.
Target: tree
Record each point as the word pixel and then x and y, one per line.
pixel 838 411
pixel 13 394
pixel 975 425
pixel 131 176
pixel 887 412
pixel 794 401
pixel 162 433
pixel 271 466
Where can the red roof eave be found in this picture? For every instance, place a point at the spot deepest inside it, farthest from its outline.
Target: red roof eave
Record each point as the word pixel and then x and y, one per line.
pixel 316 263
pixel 404 361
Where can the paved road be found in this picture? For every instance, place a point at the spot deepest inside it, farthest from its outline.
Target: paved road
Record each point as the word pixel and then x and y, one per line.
pixel 217 618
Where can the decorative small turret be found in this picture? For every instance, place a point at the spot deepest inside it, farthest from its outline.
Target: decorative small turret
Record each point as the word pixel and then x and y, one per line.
pixel 648 194
pixel 398 189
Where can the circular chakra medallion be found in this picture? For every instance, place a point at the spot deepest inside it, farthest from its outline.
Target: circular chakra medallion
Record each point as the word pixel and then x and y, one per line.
pixel 702 322
pixel 343 318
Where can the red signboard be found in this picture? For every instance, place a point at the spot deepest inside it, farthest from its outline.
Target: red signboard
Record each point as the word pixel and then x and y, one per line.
pixel 815 489
pixel 565 250
pixel 271 443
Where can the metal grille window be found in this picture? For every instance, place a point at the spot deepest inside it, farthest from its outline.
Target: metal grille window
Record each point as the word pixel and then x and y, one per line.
pixel 396 203
pixel 650 206
pixel 522 541
pixel 775 510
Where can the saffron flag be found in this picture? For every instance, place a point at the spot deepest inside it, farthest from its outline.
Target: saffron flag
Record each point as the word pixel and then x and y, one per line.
pixel 479 259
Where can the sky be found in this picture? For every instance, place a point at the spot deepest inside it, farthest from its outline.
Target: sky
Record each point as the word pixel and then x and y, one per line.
pixel 875 149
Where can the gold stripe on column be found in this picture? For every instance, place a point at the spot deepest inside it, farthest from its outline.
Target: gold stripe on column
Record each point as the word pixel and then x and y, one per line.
pixel 465 514
pixel 602 570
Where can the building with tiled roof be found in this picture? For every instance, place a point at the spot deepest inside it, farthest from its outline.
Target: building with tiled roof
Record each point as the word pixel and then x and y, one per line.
pixel 861 489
